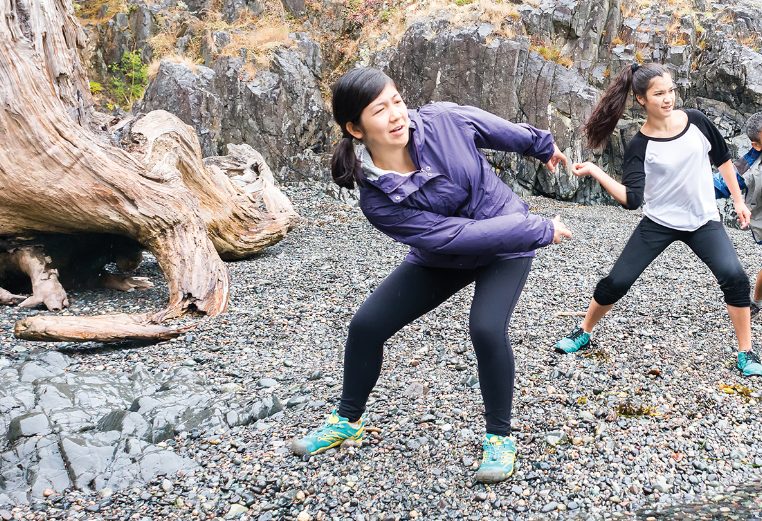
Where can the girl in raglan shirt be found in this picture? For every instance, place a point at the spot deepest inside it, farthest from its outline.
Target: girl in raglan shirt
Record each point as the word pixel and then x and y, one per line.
pixel 424 183
pixel 667 169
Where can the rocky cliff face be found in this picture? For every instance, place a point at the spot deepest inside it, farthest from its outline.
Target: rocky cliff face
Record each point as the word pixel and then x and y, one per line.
pixel 472 61
pixel 544 63
pixel 502 76
pixel 280 111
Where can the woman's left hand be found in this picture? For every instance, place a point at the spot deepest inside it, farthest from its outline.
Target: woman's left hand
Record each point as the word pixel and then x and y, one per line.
pixel 557 157
pixel 743 213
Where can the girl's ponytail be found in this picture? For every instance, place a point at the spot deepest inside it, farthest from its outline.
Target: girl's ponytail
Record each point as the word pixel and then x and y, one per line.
pixel 610 108
pixel 345 167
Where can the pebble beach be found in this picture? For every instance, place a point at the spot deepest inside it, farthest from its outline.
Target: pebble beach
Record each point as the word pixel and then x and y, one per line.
pixel 653 422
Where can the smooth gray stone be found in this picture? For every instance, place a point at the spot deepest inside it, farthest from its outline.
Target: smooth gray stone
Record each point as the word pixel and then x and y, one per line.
pixel 31 371
pixel 55 359
pixel 27 425
pixel 127 422
pixel 54 396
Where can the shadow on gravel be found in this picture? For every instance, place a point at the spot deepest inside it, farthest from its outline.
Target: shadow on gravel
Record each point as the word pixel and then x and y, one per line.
pixel 743 503
pixel 99 347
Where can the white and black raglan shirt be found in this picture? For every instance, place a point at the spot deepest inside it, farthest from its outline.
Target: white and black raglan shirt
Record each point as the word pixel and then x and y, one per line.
pixel 672 177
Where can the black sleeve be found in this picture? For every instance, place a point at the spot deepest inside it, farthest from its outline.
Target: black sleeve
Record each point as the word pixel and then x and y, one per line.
pixel 634 172
pixel 719 153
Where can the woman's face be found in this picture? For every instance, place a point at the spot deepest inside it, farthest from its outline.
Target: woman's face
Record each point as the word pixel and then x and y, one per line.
pixel 384 123
pixel 659 100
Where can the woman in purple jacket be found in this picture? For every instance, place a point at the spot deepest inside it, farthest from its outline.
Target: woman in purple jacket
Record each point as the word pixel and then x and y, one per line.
pixel 424 182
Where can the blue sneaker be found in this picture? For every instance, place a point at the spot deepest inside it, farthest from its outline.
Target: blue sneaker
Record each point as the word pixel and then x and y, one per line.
pixel 333 433
pixel 498 459
pixel 575 341
pixel 749 364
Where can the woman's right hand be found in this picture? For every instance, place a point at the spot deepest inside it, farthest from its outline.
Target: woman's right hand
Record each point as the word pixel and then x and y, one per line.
pixel 560 231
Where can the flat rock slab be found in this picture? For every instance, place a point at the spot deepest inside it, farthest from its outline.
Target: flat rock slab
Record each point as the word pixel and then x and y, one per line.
pixel 96 430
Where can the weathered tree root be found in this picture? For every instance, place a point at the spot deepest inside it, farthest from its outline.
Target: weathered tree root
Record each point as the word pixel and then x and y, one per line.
pixel 99 328
pixel 46 288
pixel 124 282
pixel 9 299
pixel 59 178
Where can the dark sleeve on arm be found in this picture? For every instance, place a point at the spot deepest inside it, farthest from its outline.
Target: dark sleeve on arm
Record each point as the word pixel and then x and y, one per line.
pixel 720 153
pixel 457 235
pixel 493 132
pixel 634 172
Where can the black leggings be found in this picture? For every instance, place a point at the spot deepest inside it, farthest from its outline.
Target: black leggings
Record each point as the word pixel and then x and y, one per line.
pixel 411 291
pixel 710 243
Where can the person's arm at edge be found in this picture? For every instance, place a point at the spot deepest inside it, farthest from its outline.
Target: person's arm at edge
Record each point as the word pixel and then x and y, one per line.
pixel 616 189
pixel 495 133
pixel 728 172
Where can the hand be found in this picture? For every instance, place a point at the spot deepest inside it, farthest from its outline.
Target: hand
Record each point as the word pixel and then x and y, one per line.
pixel 744 215
pixel 585 169
pixel 556 158
pixel 560 231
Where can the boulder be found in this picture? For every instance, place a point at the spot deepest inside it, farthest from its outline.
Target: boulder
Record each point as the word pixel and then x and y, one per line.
pixel 731 73
pixel 233 9
pixel 189 92
pixel 279 111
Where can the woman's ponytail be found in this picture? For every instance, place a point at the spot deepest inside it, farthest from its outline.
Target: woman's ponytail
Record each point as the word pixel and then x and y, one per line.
pixel 602 122
pixel 345 167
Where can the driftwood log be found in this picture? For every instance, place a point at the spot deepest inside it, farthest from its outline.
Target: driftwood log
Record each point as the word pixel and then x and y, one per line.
pixel 71 202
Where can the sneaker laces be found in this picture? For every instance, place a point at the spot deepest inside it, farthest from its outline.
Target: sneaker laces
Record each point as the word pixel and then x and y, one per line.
pixel 496 450
pixel 327 431
pixel 577 333
pixel 751 357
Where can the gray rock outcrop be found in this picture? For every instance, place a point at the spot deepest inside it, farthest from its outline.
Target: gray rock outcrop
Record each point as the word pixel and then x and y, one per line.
pixel 279 111
pixel 544 63
pixel 190 91
pixel 62 428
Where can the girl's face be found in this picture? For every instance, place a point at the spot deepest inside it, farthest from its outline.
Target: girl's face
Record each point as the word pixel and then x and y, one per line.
pixel 660 97
pixel 384 123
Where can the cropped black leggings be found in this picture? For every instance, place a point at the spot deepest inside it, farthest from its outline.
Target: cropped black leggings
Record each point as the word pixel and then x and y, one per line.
pixel 409 292
pixel 710 243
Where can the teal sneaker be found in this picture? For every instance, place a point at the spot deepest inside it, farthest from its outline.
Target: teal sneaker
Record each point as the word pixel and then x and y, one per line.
pixel 749 364
pixel 333 433
pixel 575 341
pixel 498 460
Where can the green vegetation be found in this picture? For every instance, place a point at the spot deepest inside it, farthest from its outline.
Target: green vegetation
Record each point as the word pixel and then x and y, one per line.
pixel 127 82
pixel 95 88
pixel 124 84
